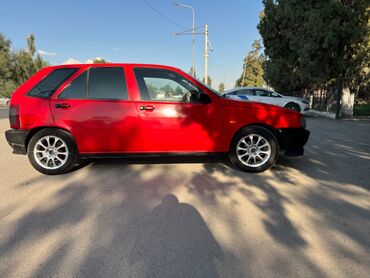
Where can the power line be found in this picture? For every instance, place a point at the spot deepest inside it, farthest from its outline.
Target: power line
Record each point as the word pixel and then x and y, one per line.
pixel 162 15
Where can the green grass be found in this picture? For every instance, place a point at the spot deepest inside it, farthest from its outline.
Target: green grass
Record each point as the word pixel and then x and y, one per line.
pixel 361 109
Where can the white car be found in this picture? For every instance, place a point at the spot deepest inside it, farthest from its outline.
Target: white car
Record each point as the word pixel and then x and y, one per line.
pixel 4 100
pixel 270 97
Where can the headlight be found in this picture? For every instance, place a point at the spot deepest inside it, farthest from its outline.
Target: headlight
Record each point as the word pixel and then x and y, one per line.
pixel 303 122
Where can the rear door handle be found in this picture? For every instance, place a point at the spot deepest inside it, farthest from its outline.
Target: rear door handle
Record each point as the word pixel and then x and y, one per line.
pixel 62 105
pixel 147 108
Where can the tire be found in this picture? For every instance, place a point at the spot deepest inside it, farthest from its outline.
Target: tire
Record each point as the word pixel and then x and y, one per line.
pixel 254 149
pixel 52 151
pixel 293 106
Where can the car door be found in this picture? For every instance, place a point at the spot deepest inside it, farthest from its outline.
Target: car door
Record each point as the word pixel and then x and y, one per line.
pixel 245 94
pixel 266 96
pixel 175 115
pixel 96 109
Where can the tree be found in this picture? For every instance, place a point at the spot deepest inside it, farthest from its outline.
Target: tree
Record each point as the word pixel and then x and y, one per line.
pixel 190 73
pixel 178 90
pixel 221 87
pixel 312 43
pixel 17 66
pixel 253 73
pixel 98 60
pixel 209 81
pixel 7 83
pixel 31 48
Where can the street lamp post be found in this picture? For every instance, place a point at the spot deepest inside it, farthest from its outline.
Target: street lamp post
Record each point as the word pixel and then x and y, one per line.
pixel 193 33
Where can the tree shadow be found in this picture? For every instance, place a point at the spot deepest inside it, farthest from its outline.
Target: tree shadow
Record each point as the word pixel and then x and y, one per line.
pixel 276 223
pixel 130 234
pixel 133 232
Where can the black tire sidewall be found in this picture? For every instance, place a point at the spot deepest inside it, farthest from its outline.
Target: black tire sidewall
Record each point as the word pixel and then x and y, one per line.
pixel 268 135
pixel 67 138
pixel 292 104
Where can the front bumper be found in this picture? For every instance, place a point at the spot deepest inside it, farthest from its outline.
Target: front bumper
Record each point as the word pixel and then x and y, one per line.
pixel 17 140
pixel 292 140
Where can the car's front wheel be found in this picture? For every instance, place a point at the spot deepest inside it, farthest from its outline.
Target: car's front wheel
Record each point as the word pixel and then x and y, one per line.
pixel 254 149
pixel 293 106
pixel 52 151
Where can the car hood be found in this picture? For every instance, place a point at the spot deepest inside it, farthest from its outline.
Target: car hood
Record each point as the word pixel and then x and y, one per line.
pixel 294 98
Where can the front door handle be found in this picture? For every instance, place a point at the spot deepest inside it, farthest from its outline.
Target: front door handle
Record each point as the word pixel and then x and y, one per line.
pixel 62 105
pixel 147 108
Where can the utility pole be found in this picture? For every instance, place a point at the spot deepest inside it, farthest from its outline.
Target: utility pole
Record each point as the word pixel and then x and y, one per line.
pixel 245 68
pixel 193 34
pixel 206 45
pixel 206 54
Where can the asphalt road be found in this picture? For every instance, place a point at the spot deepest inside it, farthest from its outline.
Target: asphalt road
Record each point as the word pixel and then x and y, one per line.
pixel 306 217
pixel 4 112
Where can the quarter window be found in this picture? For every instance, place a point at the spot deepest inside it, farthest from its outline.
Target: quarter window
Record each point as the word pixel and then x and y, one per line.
pixel 164 85
pixel 77 89
pixel 51 83
pixel 98 83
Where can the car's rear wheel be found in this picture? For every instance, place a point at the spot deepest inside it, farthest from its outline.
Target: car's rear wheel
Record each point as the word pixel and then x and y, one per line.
pixel 254 149
pixel 293 106
pixel 52 151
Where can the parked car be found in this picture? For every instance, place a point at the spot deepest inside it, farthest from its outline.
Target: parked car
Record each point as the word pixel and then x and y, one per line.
pixel 4 100
pixel 270 97
pixel 71 112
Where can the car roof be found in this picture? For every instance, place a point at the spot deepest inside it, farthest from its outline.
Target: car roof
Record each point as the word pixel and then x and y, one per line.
pixel 247 88
pixel 112 64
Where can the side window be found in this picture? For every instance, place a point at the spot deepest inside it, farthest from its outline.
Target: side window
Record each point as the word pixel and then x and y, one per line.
pixel 273 94
pixel 77 89
pixel 164 85
pixel 107 83
pixel 262 93
pixel 46 87
pixel 245 92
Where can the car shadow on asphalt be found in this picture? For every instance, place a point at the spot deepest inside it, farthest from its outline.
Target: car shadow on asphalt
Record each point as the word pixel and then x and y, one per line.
pixel 175 159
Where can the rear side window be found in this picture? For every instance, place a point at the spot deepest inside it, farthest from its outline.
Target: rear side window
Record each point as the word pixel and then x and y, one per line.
pixel 46 87
pixel 107 83
pixel 77 89
pixel 98 83
pixel 245 92
pixel 263 93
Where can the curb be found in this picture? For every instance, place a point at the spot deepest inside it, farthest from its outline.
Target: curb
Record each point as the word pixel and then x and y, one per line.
pixel 322 114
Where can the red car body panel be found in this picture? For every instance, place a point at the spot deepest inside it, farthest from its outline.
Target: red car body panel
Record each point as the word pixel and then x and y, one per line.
pixel 120 126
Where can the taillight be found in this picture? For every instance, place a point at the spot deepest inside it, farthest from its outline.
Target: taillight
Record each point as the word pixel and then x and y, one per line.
pixel 14 119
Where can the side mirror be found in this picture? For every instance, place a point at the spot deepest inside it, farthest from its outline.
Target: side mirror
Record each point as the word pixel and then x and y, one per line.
pixel 200 97
pixel 204 98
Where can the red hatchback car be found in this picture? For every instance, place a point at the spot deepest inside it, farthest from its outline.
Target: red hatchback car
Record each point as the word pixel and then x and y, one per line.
pixel 65 113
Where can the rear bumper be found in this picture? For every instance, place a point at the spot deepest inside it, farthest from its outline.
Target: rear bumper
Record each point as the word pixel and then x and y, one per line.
pixel 17 140
pixel 292 140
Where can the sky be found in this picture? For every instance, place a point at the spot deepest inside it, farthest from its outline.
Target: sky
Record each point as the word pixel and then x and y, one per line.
pixel 138 31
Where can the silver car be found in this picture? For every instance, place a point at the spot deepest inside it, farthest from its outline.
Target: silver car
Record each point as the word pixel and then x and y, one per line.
pixel 269 97
pixel 4 100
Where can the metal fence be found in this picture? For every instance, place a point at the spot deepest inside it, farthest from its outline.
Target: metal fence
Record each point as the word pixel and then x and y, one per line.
pixel 339 101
